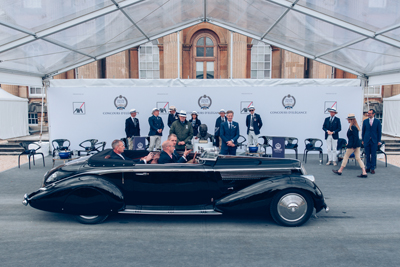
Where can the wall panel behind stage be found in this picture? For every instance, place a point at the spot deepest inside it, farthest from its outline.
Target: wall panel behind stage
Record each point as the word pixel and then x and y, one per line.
pixel 80 113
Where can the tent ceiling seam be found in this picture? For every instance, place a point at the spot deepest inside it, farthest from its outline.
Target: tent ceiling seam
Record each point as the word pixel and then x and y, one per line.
pixel 130 19
pixel 279 19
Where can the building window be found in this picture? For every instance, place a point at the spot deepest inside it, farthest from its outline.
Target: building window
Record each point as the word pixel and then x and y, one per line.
pixel 205 56
pixel 35 92
pixel 149 61
pixel 373 91
pixel 32 118
pixel 260 60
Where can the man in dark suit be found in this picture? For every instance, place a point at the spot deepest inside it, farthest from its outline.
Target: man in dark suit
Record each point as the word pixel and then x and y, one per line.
pixel 371 138
pixel 229 134
pixel 132 128
pixel 254 124
pixel 172 116
pixel 118 153
pixel 221 119
pixel 167 155
pixel 332 127
pixel 156 127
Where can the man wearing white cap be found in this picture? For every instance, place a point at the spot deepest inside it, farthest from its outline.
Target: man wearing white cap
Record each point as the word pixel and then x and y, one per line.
pixel 156 128
pixel 221 119
pixel 332 127
pixel 172 116
pixel 254 124
pixel 183 131
pixel 132 128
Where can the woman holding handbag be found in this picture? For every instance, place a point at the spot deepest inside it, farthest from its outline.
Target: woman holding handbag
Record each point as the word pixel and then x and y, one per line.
pixel 353 146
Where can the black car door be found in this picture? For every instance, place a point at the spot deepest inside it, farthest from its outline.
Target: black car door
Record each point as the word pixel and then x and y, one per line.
pixel 172 184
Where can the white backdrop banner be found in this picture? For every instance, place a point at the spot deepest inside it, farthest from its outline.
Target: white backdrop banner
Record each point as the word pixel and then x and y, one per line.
pixel 80 113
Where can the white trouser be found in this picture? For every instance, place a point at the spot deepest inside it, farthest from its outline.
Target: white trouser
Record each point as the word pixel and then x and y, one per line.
pixel 130 143
pixel 253 138
pixel 332 148
pixel 155 141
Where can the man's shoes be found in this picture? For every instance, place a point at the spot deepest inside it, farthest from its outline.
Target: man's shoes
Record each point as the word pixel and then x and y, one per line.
pixel 367 170
pixel 337 172
pixel 334 163
pixel 329 163
pixel 372 171
pixel 362 176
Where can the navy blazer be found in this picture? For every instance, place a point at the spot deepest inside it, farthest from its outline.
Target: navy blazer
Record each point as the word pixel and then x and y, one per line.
pixel 165 158
pixel 196 126
pixel 114 155
pixel 172 118
pixel 130 128
pixel 334 127
pixel 155 124
pixel 354 137
pixel 257 123
pixel 371 133
pixel 218 126
pixel 229 134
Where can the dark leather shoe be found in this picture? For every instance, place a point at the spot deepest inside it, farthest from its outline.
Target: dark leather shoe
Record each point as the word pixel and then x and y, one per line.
pixel 362 176
pixel 367 170
pixel 337 172
pixel 372 171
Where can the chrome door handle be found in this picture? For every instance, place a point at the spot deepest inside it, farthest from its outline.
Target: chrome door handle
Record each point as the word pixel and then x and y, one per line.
pixel 142 173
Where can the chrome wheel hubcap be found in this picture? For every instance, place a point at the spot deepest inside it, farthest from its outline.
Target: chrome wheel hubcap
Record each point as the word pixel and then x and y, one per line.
pixel 292 207
pixel 89 217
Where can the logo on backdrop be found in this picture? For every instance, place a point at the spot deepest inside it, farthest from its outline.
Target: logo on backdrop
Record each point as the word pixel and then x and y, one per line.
pixel 78 108
pixel 288 102
pixel 244 107
pixel 163 107
pixel 120 102
pixel 205 102
pixel 330 104
pixel 140 145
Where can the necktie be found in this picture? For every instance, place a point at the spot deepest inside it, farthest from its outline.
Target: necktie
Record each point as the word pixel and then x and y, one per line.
pixel 251 122
pixel 370 122
pixel 230 126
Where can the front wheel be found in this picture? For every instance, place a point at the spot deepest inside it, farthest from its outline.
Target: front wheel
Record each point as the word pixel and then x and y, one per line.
pixel 291 207
pixel 91 219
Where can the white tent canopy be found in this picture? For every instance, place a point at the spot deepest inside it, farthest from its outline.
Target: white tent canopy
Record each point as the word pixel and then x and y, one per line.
pixel 391 111
pixel 13 119
pixel 42 38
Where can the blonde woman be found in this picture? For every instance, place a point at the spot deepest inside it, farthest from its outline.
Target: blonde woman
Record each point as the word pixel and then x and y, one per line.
pixel 353 146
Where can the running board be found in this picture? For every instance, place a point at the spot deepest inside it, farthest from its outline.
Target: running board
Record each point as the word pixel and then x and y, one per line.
pixel 170 212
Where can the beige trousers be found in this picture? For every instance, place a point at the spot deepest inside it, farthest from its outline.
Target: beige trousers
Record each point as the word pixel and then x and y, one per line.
pixel 356 151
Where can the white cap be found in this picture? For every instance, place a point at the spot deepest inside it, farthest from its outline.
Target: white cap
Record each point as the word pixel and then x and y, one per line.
pixel 194 112
pixel 132 110
pixel 251 107
pixel 154 109
pixel 222 110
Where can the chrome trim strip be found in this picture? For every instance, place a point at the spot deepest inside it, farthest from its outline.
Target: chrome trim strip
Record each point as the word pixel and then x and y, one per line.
pixel 170 212
pixel 102 172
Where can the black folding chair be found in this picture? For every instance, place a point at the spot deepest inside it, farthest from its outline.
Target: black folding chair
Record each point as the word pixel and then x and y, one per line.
pixel 88 146
pixel 30 152
pixel 291 143
pixel 313 144
pixel 60 145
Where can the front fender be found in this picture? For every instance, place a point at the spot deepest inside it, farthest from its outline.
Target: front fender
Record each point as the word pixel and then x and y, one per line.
pixel 88 195
pixel 261 193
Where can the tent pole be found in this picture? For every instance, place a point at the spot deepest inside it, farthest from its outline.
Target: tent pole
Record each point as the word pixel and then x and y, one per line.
pixel 41 115
pixel 231 54
pixel 179 76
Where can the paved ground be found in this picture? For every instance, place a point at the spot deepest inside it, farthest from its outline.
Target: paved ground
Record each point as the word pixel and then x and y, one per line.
pixel 362 229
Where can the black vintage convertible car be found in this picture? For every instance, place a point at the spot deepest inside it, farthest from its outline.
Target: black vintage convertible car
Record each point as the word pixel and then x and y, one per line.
pixel 92 188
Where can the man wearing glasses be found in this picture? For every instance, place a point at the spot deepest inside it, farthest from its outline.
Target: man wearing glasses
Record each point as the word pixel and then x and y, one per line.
pixel 371 139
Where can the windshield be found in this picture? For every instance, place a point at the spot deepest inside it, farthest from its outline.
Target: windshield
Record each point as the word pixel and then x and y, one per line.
pixel 209 155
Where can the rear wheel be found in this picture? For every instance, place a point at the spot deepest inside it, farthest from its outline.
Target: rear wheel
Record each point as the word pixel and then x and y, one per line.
pixel 291 207
pixel 91 219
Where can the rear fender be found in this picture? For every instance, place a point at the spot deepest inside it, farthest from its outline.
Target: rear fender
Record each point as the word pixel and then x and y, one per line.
pixel 261 193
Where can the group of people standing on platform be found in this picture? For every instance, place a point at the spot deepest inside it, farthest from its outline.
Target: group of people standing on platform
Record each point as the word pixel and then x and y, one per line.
pixel 371 133
pixel 226 130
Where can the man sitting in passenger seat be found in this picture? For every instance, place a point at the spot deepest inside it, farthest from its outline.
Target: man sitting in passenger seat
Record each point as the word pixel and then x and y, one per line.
pixel 166 156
